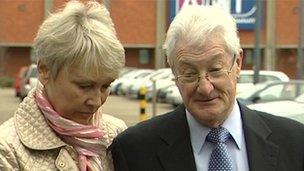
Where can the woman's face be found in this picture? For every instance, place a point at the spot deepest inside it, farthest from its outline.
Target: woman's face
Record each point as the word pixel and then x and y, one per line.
pixel 73 94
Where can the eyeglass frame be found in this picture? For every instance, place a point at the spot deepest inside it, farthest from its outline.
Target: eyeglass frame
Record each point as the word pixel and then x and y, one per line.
pixel 206 75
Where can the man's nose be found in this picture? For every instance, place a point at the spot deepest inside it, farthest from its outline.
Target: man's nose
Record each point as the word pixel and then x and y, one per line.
pixel 203 76
pixel 204 85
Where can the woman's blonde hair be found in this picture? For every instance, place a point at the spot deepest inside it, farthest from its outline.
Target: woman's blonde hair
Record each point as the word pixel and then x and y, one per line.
pixel 81 34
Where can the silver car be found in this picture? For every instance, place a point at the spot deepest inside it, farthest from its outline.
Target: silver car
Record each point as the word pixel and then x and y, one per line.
pixel 293 109
pixel 29 81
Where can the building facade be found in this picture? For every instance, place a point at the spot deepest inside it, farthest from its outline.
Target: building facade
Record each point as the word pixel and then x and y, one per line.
pixel 141 26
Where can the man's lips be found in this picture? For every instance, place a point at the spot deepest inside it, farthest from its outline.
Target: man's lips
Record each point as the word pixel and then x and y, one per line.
pixel 205 100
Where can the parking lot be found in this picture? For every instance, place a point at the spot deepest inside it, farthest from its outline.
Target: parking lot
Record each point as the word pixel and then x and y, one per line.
pixel 118 106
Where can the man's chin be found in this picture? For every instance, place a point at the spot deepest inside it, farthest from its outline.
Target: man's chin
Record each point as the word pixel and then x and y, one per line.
pixel 209 118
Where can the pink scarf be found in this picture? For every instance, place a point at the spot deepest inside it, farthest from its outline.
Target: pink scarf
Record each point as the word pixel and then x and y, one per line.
pixel 84 138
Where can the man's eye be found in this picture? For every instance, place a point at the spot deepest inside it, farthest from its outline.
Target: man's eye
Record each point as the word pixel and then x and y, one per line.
pixel 215 69
pixel 189 73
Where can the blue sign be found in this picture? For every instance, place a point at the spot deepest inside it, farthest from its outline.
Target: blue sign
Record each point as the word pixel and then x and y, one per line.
pixel 244 11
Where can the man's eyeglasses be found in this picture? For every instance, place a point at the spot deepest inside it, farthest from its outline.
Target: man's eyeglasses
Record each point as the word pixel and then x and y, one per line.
pixel 212 76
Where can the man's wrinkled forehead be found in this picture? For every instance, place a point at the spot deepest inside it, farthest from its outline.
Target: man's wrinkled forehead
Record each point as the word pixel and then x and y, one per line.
pixel 192 52
pixel 197 46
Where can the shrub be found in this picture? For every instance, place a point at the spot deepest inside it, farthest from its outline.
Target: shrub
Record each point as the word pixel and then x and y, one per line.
pixel 6 82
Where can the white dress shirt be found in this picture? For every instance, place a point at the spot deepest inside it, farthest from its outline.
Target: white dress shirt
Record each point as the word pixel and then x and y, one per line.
pixel 236 145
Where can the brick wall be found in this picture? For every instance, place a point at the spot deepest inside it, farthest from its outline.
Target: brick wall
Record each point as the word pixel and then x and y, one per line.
pixel 134 20
pixel 135 24
pixel 19 20
pixel 12 59
pixel 287 22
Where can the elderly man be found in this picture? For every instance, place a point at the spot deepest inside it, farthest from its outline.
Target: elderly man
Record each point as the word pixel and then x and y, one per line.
pixel 211 130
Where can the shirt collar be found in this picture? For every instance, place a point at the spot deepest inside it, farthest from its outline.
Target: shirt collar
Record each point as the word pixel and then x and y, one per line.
pixel 199 132
pixel 234 125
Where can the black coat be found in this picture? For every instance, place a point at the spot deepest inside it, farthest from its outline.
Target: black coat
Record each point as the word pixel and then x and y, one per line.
pixel 163 143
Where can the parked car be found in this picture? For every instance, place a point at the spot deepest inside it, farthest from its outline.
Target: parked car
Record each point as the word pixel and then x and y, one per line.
pixel 245 85
pixel 174 97
pixel 159 84
pixel 293 109
pixel 19 76
pixel 245 82
pixel 139 81
pixel 162 77
pixel 163 92
pixel 272 91
pixel 263 92
pixel 29 81
pixel 124 71
pixel 125 79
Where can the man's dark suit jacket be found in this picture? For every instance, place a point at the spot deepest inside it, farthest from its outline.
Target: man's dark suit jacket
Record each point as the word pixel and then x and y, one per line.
pixel 163 143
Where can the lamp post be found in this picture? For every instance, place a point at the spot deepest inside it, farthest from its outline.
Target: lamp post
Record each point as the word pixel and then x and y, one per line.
pixel 257 50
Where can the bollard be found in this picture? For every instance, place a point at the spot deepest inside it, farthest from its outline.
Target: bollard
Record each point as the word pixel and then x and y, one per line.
pixel 142 103
pixel 154 98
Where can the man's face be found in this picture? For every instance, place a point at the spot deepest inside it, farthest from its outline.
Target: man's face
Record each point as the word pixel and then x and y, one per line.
pixel 209 98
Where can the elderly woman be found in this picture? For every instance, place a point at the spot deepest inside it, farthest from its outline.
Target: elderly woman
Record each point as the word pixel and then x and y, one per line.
pixel 60 125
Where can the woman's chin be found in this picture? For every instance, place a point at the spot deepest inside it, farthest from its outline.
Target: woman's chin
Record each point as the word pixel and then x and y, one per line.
pixel 81 118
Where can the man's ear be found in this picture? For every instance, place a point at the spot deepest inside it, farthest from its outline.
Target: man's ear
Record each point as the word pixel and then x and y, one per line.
pixel 44 73
pixel 239 60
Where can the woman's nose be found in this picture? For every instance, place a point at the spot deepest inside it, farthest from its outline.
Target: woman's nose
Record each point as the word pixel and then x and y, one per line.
pixel 96 102
pixel 95 99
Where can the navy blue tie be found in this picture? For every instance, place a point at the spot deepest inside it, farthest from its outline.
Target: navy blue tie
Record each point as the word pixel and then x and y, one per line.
pixel 220 159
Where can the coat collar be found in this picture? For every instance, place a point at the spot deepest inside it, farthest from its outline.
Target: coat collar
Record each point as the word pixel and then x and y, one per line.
pixel 178 154
pixel 262 153
pixel 35 133
pixel 32 127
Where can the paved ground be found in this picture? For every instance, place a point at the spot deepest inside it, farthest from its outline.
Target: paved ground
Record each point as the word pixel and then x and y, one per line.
pixel 8 103
pixel 121 107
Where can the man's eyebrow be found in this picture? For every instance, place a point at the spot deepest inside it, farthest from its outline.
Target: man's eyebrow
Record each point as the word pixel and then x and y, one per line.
pixel 214 57
pixel 185 61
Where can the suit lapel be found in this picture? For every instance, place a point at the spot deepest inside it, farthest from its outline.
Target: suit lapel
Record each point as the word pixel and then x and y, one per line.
pixel 178 154
pixel 262 153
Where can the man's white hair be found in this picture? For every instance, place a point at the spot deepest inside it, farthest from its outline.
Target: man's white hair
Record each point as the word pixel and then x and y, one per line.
pixel 195 24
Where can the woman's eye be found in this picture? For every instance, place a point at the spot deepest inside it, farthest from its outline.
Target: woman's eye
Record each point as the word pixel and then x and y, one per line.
pixel 105 86
pixel 85 86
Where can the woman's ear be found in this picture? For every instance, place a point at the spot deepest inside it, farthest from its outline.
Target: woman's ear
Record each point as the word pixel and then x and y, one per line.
pixel 44 73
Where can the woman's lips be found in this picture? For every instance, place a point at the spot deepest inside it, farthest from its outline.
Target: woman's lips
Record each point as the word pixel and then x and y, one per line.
pixel 85 113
